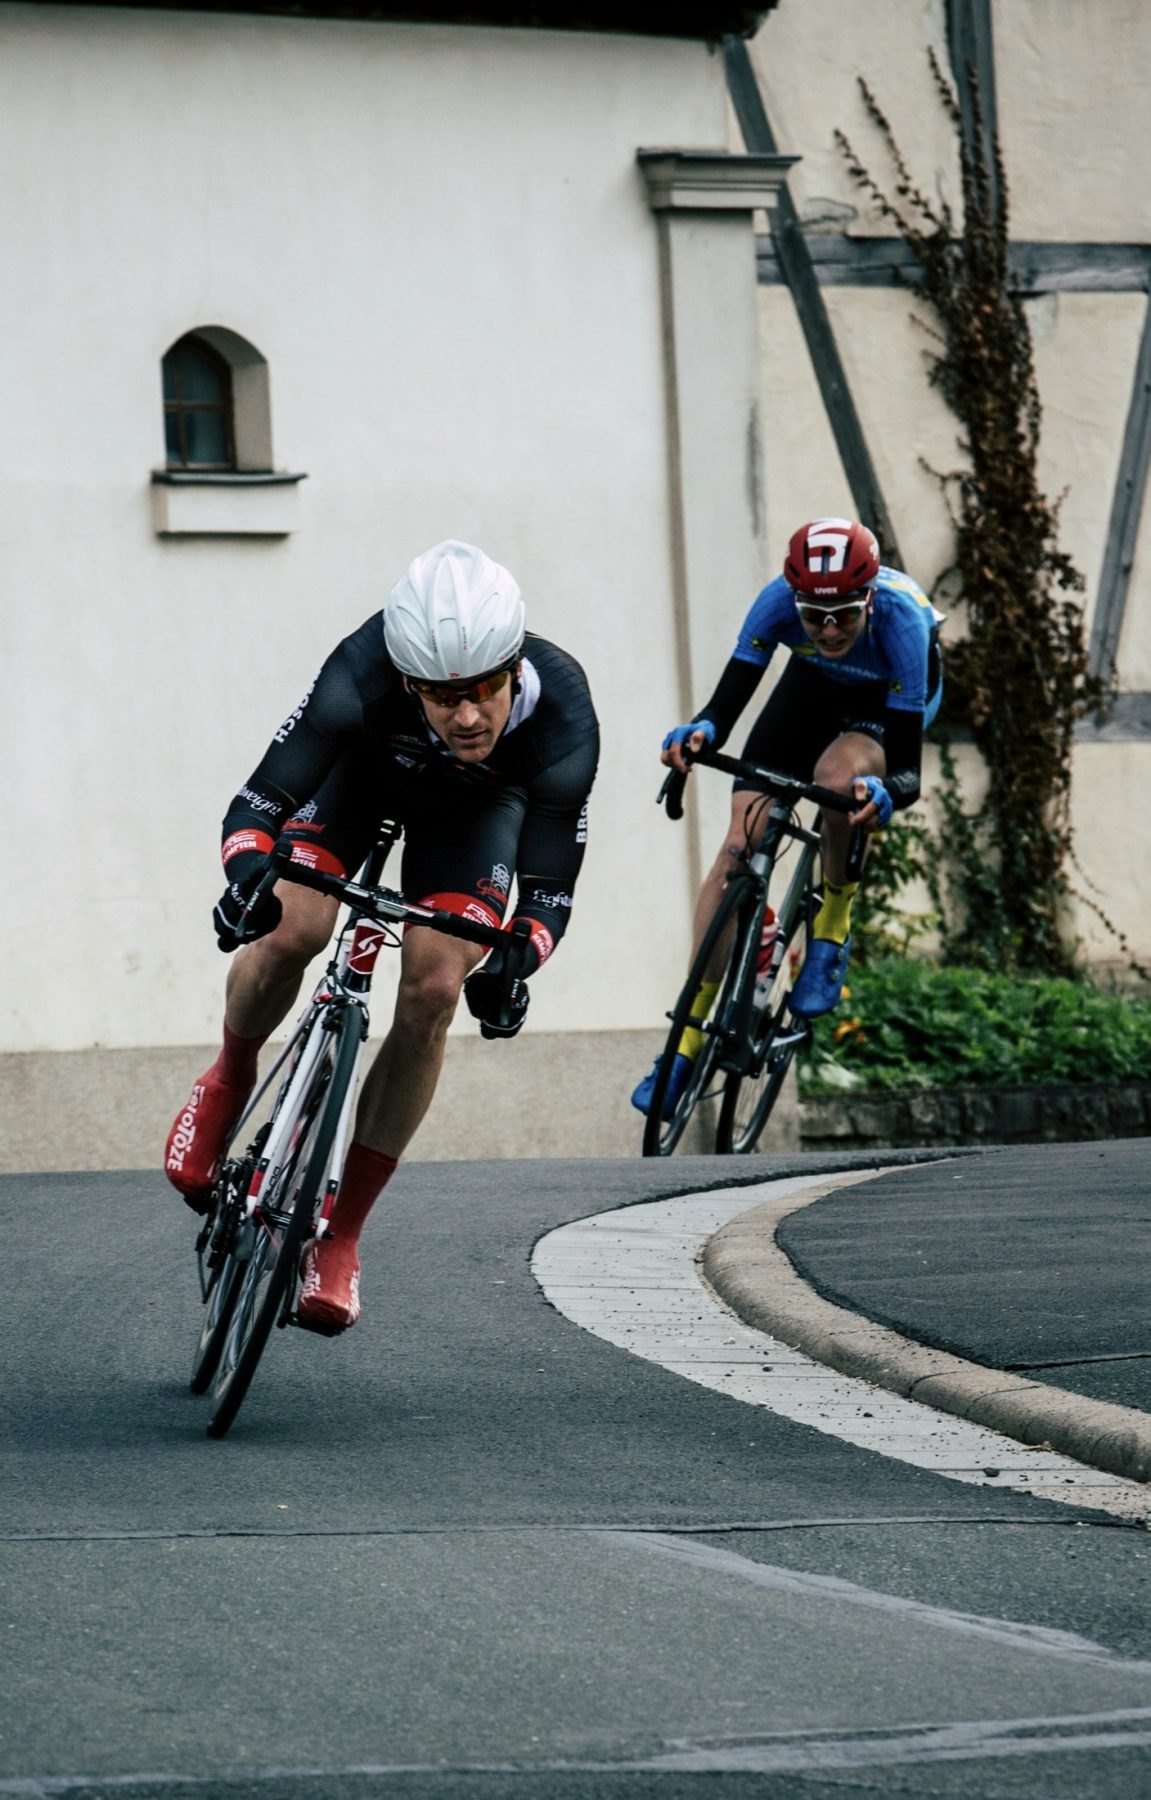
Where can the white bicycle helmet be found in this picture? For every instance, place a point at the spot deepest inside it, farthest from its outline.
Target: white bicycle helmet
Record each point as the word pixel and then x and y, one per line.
pixel 455 614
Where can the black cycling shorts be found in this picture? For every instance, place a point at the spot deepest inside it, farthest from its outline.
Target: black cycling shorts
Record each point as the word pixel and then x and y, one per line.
pixel 805 712
pixel 459 847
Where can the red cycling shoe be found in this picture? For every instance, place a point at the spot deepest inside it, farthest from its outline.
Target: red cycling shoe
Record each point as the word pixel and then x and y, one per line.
pixel 199 1137
pixel 330 1298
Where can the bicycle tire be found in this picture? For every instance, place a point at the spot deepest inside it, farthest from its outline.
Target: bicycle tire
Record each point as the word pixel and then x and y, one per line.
pixel 271 1269
pixel 220 1305
pixel 739 905
pixel 219 1238
pixel 748 1099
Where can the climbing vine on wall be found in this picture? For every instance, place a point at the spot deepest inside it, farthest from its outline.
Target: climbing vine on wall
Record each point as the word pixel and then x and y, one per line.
pixel 1020 678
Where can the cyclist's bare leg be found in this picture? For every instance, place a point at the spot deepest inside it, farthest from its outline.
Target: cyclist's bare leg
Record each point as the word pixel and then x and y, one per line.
pixel 852 754
pixel 745 824
pixel 395 1096
pixel 262 984
pixel 265 977
pixel 400 1085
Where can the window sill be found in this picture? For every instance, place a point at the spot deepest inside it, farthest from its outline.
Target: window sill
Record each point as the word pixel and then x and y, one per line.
pixel 224 503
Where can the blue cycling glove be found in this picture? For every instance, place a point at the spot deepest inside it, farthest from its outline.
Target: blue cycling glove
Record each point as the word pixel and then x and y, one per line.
pixel 878 794
pixel 682 732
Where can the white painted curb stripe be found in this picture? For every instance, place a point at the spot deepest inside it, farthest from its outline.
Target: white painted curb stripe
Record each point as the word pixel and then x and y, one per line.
pixel 632 1276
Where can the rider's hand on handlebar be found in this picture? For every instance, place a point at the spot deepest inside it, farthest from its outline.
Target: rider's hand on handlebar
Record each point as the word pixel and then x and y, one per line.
pixel 499 1016
pixel 231 925
pixel 876 808
pixel 693 738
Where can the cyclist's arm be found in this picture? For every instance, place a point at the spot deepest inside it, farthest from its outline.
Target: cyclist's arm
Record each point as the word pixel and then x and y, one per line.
pixel 907 640
pixel 734 689
pixel 303 751
pixel 771 610
pixel 551 848
pixel 903 750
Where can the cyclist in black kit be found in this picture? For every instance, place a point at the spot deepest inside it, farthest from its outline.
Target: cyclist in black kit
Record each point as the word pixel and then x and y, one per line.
pixel 483 740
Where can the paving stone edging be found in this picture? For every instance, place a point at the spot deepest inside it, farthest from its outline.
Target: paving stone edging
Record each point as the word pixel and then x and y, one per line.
pixel 755 1277
pixel 1063 1112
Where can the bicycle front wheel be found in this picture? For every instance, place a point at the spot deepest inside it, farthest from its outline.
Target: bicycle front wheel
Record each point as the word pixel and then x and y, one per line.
pixel 222 1262
pixel 736 915
pixel 776 1035
pixel 290 1198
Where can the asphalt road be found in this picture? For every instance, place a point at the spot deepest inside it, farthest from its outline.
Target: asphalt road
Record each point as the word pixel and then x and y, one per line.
pixel 1049 1247
pixel 473 1550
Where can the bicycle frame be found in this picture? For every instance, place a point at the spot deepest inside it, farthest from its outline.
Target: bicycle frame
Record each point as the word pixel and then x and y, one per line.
pixel 739 1055
pixel 345 984
pixel 743 1040
pixel 274 1195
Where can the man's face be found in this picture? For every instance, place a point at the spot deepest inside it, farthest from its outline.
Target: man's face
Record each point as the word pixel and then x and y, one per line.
pixel 834 628
pixel 470 727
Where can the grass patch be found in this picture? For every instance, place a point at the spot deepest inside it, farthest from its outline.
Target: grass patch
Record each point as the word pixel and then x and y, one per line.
pixel 909 1024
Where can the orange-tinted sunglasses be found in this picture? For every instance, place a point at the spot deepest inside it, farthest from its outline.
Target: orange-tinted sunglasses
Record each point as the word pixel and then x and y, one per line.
pixel 451 694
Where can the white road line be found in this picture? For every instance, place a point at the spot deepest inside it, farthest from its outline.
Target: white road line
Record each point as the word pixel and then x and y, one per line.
pixel 1010 1634
pixel 965 1740
pixel 632 1276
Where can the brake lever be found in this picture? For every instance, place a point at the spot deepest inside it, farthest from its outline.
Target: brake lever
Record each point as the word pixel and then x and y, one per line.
pixel 672 792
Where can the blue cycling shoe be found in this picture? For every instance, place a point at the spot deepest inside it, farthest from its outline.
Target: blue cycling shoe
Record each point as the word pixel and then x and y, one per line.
pixel 681 1070
pixel 821 978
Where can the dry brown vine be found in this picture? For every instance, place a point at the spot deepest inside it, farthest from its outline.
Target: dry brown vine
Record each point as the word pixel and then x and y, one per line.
pixel 1020 679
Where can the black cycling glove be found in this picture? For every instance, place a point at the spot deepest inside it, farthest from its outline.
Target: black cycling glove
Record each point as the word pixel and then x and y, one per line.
pixel 484 993
pixel 231 927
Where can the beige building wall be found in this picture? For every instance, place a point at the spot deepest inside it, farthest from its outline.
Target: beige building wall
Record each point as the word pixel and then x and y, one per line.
pixel 1075 140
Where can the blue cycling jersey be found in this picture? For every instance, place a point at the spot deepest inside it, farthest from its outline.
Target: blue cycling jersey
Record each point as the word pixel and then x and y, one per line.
pixel 893 647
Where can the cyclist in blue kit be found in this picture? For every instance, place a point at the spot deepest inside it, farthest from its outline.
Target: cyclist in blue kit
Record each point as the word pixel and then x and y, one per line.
pixel 862 682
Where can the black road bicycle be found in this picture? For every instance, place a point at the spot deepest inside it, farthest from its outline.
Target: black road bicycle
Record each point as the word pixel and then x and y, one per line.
pixel 750 1035
pixel 281 1171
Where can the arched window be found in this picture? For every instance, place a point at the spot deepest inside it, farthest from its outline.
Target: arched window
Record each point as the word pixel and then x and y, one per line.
pixel 199 429
pixel 218 478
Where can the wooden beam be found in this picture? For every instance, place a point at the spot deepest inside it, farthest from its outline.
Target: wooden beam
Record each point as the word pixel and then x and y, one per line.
pixel 868 262
pixel 971 49
pixel 795 265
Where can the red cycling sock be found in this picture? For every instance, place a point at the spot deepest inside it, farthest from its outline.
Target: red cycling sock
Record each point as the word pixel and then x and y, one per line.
pixel 236 1065
pixel 366 1174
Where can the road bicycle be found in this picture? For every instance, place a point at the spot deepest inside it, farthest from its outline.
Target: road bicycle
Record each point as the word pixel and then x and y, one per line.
pixel 281 1169
pixel 750 1035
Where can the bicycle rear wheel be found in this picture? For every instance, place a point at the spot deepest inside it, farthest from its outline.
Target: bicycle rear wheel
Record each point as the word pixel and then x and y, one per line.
pixel 736 916
pixel 290 1198
pixel 776 1036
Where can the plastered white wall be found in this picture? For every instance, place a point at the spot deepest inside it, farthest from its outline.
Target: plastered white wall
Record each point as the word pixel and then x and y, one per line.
pixel 440 241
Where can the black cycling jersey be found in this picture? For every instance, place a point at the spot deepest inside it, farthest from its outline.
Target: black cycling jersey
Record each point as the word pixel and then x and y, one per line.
pixel 359 748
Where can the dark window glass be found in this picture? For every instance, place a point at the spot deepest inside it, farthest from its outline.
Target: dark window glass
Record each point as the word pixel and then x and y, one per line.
pixel 197 407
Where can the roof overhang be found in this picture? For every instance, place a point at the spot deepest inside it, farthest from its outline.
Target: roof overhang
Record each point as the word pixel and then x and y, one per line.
pixel 708 20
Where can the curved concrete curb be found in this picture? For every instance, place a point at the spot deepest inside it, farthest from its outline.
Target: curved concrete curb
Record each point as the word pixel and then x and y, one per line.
pixel 756 1278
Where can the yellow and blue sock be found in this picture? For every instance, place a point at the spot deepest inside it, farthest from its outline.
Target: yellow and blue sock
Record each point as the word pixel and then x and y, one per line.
pixel 833 920
pixel 691 1043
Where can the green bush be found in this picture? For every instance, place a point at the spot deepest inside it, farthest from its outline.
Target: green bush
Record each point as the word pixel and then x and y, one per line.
pixel 910 1024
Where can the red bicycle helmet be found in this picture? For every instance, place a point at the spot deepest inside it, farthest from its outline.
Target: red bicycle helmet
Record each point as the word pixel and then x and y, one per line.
pixel 831 557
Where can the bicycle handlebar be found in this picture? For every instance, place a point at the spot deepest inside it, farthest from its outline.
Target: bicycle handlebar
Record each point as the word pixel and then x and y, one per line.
pixel 388 906
pixel 784 787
